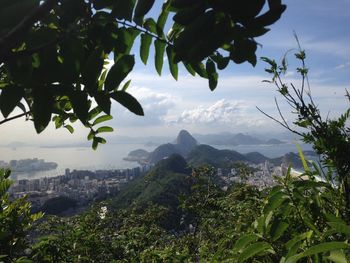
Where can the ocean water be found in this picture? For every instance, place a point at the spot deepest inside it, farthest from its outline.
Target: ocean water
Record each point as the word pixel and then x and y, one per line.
pixel 110 156
pixel 271 151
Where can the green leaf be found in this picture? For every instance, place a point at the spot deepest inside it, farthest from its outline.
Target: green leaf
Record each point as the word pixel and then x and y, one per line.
pixel 337 256
pixel 100 140
pixel 253 250
pixel 10 97
pixel 58 121
pixel 221 61
pixel 275 200
pixel 143 7
pixel 94 143
pixel 94 112
pixel 23 260
pixel 150 25
pixel 244 240
pixel 200 69
pixel 126 38
pixel 260 224
pixel 72 54
pixel 340 227
pixel 302 157
pixel 104 129
pixel 298 238
pixel 163 18
pixel 91 135
pixel 123 9
pixel 102 119
pixel 69 128
pixel 277 229
pixel 80 105
pixel 104 102
pixel 146 41
pixel 126 85
pixel 172 66
pixel 212 74
pixel 187 15
pixel 159 55
pixel 189 68
pixel 42 108
pixel 317 249
pixel 92 69
pixel 244 50
pixel 119 71
pixel 128 102
pixel 22 107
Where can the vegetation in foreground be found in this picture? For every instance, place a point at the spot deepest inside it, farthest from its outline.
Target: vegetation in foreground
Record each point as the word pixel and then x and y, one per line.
pixel 300 220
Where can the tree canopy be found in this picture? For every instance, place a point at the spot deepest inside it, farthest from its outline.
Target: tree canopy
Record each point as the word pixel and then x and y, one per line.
pixel 54 53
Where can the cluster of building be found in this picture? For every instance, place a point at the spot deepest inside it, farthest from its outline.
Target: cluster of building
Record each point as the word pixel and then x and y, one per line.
pixel 260 175
pixel 29 165
pixel 81 185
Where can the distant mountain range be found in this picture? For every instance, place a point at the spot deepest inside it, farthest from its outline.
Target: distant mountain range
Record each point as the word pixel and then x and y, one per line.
pixel 234 139
pixel 182 145
pixel 225 138
pixel 187 146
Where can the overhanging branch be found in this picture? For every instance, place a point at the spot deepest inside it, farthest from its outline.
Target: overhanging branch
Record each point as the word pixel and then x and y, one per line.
pixel 9 39
pixel 14 117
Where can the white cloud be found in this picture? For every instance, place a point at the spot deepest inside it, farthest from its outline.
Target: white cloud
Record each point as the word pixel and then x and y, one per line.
pixel 343 66
pixel 229 114
pixel 156 106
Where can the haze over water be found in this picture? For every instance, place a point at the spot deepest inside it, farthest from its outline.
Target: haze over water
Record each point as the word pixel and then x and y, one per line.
pixel 110 156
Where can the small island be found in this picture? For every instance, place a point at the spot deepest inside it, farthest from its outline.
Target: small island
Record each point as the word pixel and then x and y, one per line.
pixel 29 165
pixel 138 155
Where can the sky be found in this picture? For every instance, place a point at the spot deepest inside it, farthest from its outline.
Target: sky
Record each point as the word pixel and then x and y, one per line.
pixel 323 29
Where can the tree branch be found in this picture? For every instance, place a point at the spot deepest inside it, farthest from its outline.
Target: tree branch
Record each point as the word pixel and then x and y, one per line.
pixel 14 117
pixel 28 52
pixel 143 30
pixel 7 41
pixel 280 113
pixel 279 122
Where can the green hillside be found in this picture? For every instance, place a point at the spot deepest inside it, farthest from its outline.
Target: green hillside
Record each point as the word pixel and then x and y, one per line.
pixel 207 155
pixel 162 186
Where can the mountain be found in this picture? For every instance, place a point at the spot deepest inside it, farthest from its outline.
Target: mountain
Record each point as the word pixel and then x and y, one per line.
pixel 256 157
pixel 274 142
pixel 162 151
pixel 138 155
pixel 242 139
pixel 162 185
pixel 184 143
pixel 291 158
pixel 234 139
pixel 208 155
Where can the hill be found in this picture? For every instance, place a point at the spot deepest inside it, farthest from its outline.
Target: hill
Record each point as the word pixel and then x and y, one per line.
pixel 184 143
pixel 291 158
pixel 256 157
pixel 161 152
pixel 208 155
pixel 138 155
pixel 162 185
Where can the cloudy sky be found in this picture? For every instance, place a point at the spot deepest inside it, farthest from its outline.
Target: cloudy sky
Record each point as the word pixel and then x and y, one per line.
pixel 323 30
